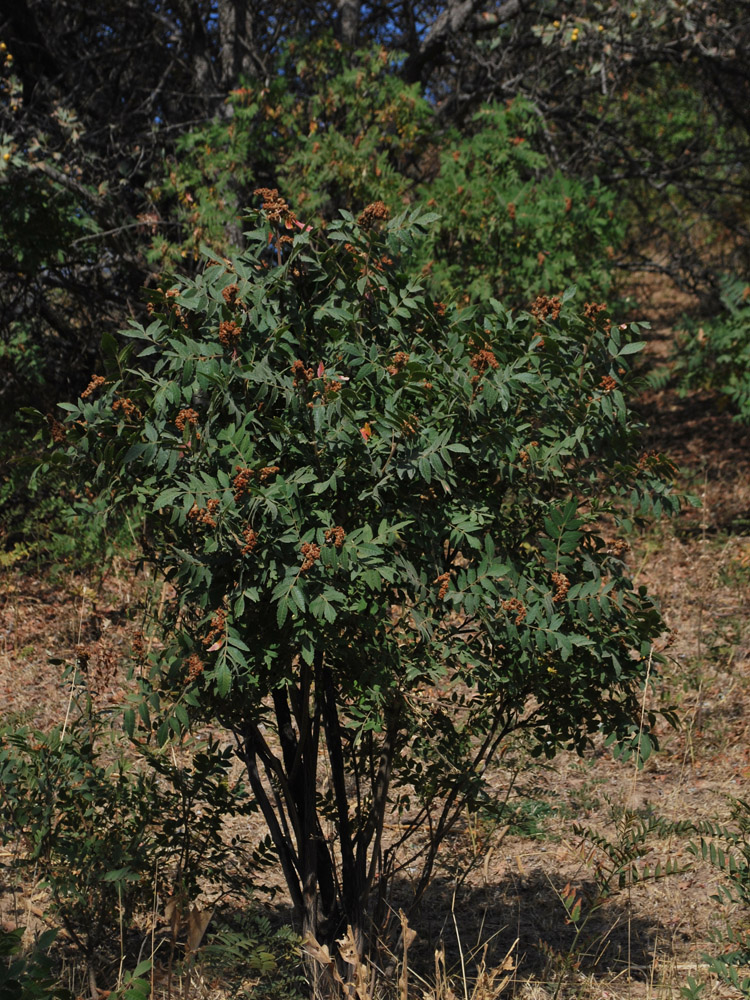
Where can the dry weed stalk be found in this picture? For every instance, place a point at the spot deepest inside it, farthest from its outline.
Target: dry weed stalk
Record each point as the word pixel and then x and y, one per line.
pixel 361 980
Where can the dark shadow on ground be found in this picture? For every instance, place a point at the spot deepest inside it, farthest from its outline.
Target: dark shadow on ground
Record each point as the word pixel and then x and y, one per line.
pixel 698 433
pixel 528 908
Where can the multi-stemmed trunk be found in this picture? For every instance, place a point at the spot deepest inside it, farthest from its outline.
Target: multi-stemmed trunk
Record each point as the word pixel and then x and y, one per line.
pixel 329 878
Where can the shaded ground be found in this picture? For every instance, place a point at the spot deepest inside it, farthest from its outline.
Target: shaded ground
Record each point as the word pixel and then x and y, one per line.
pixel 639 943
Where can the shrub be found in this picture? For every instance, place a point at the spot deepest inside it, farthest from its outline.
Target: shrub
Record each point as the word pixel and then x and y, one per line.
pixel 727 848
pixel 103 833
pixel 716 354
pixel 391 529
pixel 345 131
pixel 511 226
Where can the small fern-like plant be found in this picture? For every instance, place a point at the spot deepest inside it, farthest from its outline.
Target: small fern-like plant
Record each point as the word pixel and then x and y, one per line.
pixel 727 848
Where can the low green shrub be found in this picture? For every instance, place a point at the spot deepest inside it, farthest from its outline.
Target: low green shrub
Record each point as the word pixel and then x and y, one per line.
pixel 715 353
pixel 28 975
pixel 106 830
pixel 726 847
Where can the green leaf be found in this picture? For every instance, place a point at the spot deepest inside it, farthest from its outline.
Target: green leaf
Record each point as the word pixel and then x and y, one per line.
pixel 633 348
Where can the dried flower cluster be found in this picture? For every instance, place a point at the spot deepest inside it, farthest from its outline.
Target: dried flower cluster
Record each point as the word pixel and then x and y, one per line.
pixel 514 606
pixel 57 430
pixel 511 210
pixel 607 384
pixel 205 516
pixel 400 360
pixel 218 627
pixel 592 312
pixel 651 459
pixel 195 667
pixel 229 295
pixel 186 416
pixel 482 360
pixel 562 586
pixel 94 384
pixel 241 482
pixel 302 375
pixel 277 210
pixel 83 655
pixel 618 547
pixel 543 306
pixel 378 211
pixel 172 306
pixel 138 646
pixel 410 425
pixel 336 535
pixel 129 410
pixel 354 251
pixel 229 333
pixel 251 540
pixel 444 581
pixel 311 553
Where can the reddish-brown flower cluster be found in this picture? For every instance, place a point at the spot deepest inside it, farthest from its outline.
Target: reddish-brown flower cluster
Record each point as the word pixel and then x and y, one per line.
pixel 149 222
pixel 186 416
pixel 400 360
pixel 511 210
pixel 266 471
pixel 354 251
pixel 592 312
pixel 444 581
pixel 96 381
pixel 516 607
pixel 251 540
pixel 83 655
pixel 568 204
pixel 483 359
pixel 241 481
pixel 331 386
pixel 618 547
pixel 218 627
pixel 229 333
pixel 302 375
pixel 311 553
pixel 607 384
pixel 195 667
pixel 562 586
pixel 229 295
pixel 57 430
pixel 544 306
pixel 376 212
pixel 170 295
pixel 205 516
pixel 439 308
pixel 650 459
pixel 275 207
pixel 336 535
pixel 410 425
pixel 138 647
pixel 129 410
